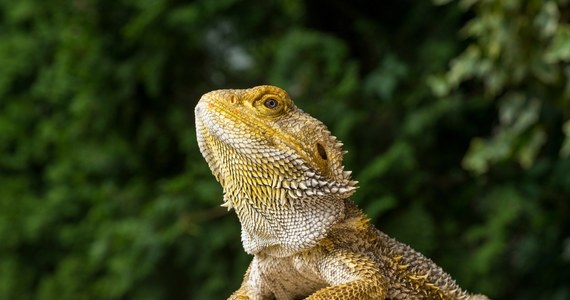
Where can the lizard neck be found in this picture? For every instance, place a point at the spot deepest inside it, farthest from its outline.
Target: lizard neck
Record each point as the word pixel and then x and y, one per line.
pixel 278 227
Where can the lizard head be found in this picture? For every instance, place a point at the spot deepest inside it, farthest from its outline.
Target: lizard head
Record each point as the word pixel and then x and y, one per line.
pixel 267 153
pixel 260 133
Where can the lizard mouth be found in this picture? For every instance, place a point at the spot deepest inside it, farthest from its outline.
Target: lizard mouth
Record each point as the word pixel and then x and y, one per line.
pixel 206 141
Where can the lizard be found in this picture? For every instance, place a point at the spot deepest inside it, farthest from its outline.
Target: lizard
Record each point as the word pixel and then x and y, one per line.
pixel 281 170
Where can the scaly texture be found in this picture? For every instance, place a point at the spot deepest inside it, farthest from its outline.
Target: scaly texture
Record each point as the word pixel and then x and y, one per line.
pixel 282 172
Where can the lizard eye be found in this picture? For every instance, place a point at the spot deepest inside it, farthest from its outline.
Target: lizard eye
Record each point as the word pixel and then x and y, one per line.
pixel 271 103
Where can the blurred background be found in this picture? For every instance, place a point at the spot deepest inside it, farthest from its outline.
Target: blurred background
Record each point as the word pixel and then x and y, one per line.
pixel 456 115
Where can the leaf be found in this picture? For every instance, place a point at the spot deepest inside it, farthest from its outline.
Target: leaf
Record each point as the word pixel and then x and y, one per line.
pixel 565 149
pixel 559 49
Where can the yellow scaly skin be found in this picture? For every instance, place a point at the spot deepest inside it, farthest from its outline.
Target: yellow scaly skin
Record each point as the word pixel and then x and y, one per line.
pixel 281 171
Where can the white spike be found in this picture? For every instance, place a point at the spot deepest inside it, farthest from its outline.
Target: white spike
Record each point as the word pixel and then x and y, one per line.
pixel 227 205
pixel 302 185
pixel 275 183
pixel 282 197
pixel 292 194
pixel 294 184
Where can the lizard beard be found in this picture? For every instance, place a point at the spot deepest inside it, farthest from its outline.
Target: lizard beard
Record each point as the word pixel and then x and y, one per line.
pixel 281 230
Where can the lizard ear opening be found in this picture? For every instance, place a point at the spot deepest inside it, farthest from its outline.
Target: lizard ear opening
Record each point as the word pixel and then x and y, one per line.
pixel 322 151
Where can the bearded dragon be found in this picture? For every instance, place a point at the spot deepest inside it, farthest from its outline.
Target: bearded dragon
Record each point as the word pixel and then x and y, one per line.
pixel 281 171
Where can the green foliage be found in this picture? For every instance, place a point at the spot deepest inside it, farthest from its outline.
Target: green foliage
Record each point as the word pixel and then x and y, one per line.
pixel 456 116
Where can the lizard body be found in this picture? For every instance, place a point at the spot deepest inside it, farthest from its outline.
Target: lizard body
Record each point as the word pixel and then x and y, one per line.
pixel 281 171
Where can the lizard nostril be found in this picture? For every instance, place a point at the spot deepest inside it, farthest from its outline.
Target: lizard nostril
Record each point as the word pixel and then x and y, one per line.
pixel 233 99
